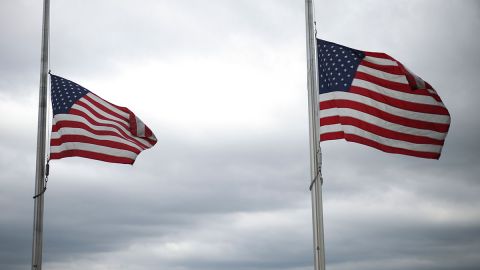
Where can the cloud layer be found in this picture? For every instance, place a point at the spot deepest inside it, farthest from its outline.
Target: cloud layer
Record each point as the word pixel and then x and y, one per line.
pixel 223 86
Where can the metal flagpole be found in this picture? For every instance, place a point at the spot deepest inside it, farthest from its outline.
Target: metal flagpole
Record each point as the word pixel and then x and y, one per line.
pixel 41 145
pixel 315 150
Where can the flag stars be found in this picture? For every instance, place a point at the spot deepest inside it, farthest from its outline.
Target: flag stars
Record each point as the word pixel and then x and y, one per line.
pixel 337 66
pixel 65 94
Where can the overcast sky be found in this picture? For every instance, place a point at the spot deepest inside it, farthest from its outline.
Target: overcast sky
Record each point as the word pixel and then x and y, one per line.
pixel 222 83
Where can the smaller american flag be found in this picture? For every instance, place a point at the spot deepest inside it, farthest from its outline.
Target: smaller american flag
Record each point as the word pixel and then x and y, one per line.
pixel 372 99
pixel 85 125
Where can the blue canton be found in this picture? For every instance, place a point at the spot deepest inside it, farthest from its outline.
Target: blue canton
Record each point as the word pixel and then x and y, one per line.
pixel 64 94
pixel 337 66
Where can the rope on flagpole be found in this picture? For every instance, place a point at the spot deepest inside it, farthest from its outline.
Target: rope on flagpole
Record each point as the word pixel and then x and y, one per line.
pixel 319 175
pixel 45 180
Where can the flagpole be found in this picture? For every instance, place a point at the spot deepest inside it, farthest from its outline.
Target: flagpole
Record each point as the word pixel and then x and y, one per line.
pixel 315 150
pixel 37 242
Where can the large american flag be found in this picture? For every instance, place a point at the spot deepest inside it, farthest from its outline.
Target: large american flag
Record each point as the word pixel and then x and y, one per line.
pixel 85 125
pixel 372 99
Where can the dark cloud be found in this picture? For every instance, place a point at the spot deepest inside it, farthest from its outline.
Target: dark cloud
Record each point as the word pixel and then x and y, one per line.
pixel 227 191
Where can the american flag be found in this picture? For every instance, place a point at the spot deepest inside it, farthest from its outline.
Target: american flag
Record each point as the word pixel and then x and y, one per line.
pixel 85 125
pixel 372 99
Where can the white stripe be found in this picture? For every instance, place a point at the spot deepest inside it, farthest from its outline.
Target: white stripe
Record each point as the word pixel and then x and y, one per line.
pixel 106 122
pixel 382 123
pixel 418 81
pixel 396 94
pixel 98 120
pixel 383 75
pixel 433 118
pixel 431 91
pixel 80 119
pixel 101 112
pixel 93 148
pixel 140 127
pixel 382 140
pixel 380 61
pixel 108 105
pixel 70 117
pixel 80 131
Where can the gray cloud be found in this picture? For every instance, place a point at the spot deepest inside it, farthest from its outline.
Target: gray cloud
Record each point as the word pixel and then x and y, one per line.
pixel 227 184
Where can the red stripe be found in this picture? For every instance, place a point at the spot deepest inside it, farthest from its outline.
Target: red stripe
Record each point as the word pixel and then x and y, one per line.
pixel 384 83
pixel 133 125
pixel 380 55
pixel 148 132
pixel 91 155
pixel 123 109
pixel 386 133
pixel 402 104
pixel 74 124
pixel 393 86
pixel 105 109
pixel 434 94
pixel 341 103
pixel 389 69
pixel 411 80
pixel 401 70
pixel 151 141
pixel 332 136
pixel 90 140
pixel 119 130
pixel 397 70
pixel 377 145
pixel 99 115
